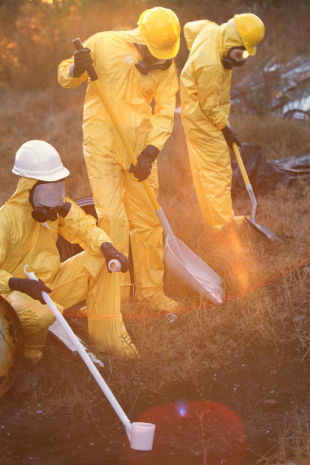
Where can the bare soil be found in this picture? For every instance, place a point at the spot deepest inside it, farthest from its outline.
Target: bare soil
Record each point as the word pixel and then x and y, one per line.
pixel 56 414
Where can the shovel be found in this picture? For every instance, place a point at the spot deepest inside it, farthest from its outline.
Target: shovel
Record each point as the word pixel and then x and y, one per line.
pixel 258 227
pixel 179 259
pixel 140 435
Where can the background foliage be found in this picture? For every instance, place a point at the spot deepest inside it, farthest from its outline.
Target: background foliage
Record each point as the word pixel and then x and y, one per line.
pixel 35 35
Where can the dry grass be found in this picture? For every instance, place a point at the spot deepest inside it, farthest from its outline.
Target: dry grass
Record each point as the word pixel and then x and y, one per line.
pixel 278 137
pixel 262 286
pixel 53 116
pixel 294 443
pixel 254 314
pixel 265 283
pixel 295 440
pixel 266 287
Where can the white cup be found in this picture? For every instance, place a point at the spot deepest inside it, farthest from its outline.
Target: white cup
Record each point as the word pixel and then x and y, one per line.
pixel 142 436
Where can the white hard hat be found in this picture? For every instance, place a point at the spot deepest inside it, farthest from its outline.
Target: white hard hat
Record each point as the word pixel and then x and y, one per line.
pixel 39 160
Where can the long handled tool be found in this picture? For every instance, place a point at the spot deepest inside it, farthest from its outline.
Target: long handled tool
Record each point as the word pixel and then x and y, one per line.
pixel 179 259
pixel 258 227
pixel 140 434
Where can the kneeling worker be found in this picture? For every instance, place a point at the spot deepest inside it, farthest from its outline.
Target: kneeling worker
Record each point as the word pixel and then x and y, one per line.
pixel 29 225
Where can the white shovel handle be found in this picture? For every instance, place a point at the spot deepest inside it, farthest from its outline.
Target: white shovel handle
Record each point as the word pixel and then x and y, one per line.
pixel 102 384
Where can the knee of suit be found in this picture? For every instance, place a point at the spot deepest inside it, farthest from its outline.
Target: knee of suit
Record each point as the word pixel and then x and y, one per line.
pixel 35 318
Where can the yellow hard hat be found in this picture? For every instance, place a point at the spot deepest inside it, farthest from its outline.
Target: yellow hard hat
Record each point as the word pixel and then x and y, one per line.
pixel 161 30
pixel 251 30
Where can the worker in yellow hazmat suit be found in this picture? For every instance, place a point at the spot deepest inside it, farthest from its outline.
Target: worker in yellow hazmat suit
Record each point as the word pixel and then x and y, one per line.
pixel 205 104
pixel 134 68
pixel 30 222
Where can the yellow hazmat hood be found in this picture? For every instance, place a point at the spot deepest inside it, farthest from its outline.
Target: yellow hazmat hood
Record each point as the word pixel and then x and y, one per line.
pixel 226 36
pixel 134 36
pixel 21 195
pixel 192 29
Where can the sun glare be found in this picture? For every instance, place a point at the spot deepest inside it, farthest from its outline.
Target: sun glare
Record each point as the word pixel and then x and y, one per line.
pixel 241 273
pixel 181 408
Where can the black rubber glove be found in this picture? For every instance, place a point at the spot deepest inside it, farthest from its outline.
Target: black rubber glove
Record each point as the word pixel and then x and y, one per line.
pixel 143 168
pixel 30 287
pixel 230 137
pixel 110 253
pixel 82 59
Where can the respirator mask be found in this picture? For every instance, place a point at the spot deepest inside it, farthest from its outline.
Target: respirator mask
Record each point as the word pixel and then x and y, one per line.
pixel 149 62
pixel 237 56
pixel 144 67
pixel 48 200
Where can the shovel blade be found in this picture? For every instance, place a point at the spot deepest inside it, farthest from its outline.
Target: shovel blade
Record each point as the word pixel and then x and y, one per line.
pixel 263 230
pixel 194 272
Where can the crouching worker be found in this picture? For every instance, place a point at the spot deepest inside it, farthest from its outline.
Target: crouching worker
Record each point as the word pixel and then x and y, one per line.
pixel 29 225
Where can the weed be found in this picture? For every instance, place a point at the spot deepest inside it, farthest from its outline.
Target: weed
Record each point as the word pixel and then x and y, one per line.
pixel 294 442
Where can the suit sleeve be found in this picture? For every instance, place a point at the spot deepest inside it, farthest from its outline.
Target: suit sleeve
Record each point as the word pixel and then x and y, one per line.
pixel 65 77
pixel 79 228
pixel 163 117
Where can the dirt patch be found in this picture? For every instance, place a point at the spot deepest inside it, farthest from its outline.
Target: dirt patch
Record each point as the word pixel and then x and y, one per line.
pixel 55 412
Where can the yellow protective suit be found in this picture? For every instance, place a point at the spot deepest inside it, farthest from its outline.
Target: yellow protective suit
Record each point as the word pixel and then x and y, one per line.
pixel 23 241
pixel 121 202
pixel 205 105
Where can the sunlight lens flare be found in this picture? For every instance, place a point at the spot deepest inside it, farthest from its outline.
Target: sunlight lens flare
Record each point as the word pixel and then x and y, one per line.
pixel 234 241
pixel 241 274
pixel 182 408
pixel 238 266
pixel 196 425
